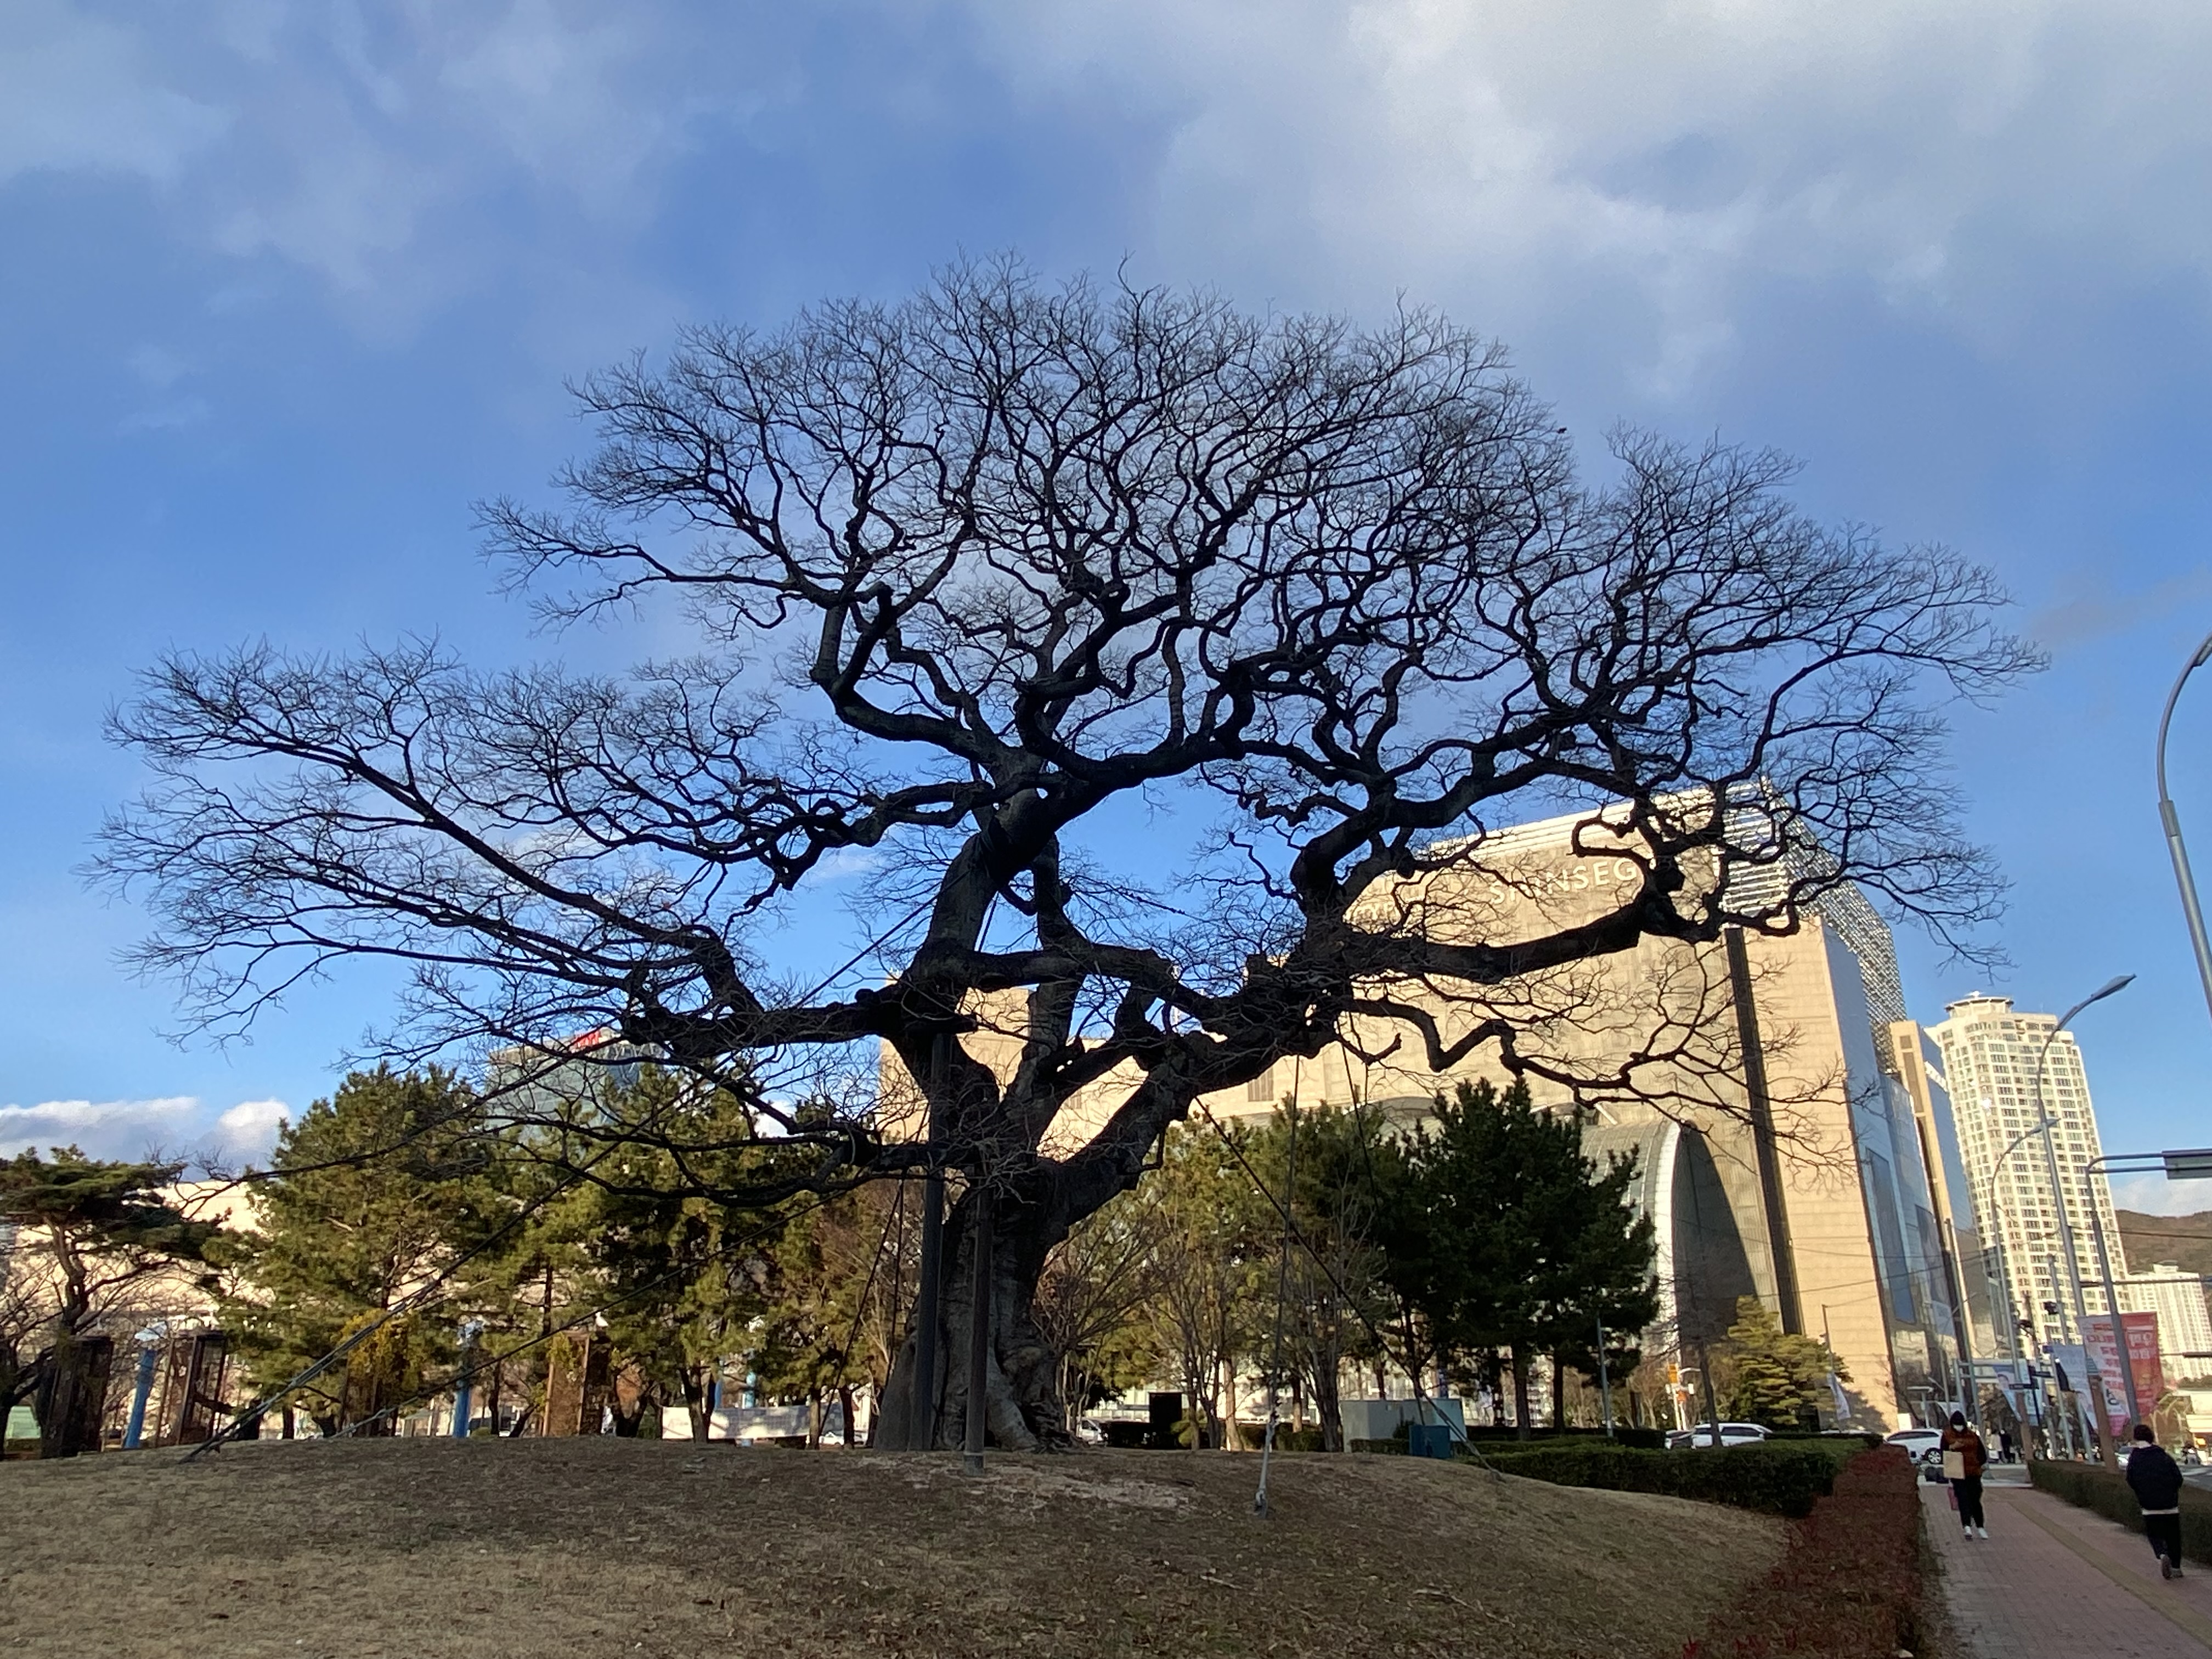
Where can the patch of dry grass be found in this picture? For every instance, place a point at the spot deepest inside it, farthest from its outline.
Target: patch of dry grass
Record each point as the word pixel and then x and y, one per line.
pixel 434 1549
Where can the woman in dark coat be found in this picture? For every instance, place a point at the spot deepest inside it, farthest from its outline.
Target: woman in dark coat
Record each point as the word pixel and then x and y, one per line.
pixel 1966 1484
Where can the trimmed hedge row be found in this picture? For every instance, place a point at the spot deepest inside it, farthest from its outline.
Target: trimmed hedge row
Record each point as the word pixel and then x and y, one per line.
pixel 1851 1583
pixel 1491 1442
pixel 2093 1486
pixel 1783 1479
pixel 1487 1436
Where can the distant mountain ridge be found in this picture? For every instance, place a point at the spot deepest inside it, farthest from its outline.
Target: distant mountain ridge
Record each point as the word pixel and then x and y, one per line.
pixel 2184 1240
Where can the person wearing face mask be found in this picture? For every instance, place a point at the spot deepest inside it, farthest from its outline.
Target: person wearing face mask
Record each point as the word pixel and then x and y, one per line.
pixel 1964 1459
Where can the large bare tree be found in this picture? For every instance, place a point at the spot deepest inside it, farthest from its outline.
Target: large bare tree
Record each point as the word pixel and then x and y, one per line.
pixel 992 591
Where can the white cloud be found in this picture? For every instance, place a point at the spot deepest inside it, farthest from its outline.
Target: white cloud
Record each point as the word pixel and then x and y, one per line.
pixel 250 1128
pixel 1626 168
pixel 106 1128
pixel 174 1126
pixel 851 863
pixel 172 415
pixel 1629 176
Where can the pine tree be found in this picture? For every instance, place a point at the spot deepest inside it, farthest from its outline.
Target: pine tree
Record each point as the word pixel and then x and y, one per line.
pixel 1778 1379
pixel 689 1282
pixel 95 1234
pixel 1501 1235
pixel 371 1193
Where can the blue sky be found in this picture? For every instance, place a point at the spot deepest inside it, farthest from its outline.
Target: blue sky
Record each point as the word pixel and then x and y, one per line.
pixel 284 288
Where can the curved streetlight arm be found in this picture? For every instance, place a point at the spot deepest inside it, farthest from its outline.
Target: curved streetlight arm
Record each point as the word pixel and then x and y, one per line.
pixel 2035 1127
pixel 2170 821
pixel 2109 988
pixel 1994 1233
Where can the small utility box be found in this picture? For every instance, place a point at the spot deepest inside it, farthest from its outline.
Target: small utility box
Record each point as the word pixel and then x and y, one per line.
pixel 1428 1440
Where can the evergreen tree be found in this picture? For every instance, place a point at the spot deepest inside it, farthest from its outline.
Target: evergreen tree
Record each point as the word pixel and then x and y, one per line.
pixel 96 1235
pixel 371 1193
pixel 1501 1235
pixel 1778 1378
pixel 682 1279
pixel 821 1297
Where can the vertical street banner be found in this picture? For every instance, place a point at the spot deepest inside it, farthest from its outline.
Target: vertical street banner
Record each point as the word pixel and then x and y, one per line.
pixel 2144 1359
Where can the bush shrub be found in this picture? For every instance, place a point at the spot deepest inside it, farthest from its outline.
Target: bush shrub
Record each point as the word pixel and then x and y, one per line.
pixel 1780 1479
pixel 1850 1583
pixel 1487 1436
pixel 1871 1442
pixel 2093 1486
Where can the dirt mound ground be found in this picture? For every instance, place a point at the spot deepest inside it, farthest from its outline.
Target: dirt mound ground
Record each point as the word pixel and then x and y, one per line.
pixel 434 1549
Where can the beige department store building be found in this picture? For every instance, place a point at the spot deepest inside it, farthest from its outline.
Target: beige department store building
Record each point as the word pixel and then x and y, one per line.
pixel 1782 1154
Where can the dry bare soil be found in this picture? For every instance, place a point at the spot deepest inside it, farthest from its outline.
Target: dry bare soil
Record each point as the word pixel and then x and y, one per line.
pixel 432 1549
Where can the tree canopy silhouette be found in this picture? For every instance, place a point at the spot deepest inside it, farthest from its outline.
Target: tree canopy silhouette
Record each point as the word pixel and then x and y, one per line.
pixel 975 581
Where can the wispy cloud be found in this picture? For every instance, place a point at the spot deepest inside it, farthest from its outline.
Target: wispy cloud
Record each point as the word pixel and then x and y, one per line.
pixel 81 94
pixel 174 415
pixel 851 863
pixel 384 150
pixel 2087 617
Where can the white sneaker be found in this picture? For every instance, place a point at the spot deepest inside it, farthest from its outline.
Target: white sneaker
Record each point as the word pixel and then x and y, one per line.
pixel 1981 1532
pixel 1970 1535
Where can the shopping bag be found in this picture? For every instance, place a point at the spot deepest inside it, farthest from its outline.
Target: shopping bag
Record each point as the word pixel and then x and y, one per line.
pixel 1955 1465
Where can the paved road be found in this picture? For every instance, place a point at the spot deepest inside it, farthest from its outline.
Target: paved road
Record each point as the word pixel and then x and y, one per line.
pixel 2054 1582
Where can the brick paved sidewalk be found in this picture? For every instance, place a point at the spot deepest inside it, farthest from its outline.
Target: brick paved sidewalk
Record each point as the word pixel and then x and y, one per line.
pixel 2054 1582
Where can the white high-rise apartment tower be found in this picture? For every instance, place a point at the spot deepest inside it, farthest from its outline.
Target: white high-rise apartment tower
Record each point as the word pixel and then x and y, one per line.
pixel 1990 1057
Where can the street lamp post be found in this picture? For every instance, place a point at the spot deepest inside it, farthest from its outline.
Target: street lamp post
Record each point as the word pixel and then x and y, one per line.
pixel 2049 1147
pixel 2171 822
pixel 2112 1308
pixel 2011 1322
pixel 2004 1283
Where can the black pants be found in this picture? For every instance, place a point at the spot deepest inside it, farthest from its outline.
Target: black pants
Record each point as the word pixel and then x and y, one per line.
pixel 2165 1532
pixel 1969 1490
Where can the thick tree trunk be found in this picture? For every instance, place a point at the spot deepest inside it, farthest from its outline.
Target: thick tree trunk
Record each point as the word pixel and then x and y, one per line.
pixel 698 1382
pixel 1520 1430
pixel 1328 1403
pixel 1022 1409
pixel 1558 1394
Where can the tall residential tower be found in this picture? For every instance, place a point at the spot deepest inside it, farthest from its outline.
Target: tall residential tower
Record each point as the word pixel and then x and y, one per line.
pixel 1991 1055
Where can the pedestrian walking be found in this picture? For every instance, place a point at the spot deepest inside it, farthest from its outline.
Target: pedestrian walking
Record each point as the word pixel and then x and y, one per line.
pixel 1964 1459
pixel 2005 1452
pixel 2156 1479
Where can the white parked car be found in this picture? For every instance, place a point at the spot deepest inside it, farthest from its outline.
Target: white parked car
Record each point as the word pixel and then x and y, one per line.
pixel 1923 1446
pixel 1732 1434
